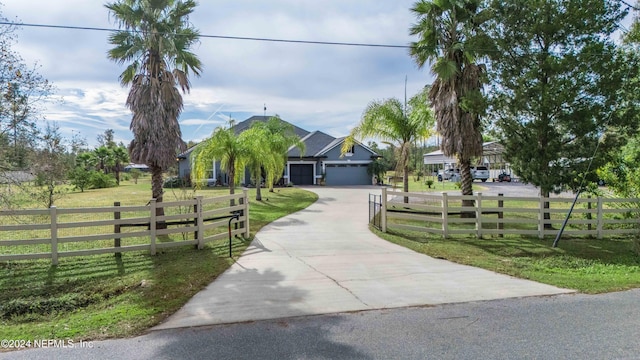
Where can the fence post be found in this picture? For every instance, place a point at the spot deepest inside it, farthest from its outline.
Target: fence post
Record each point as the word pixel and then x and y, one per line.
pixel 54 235
pixel 116 228
pixel 479 215
pixel 195 218
pixel 589 217
pixel 383 210
pixel 199 223
pixel 500 216
pixel 599 224
pixel 445 215
pixel 152 226
pixel 541 218
pixel 247 232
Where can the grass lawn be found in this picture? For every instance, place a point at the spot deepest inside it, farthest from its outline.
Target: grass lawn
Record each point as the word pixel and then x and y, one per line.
pixel 587 265
pixel 96 297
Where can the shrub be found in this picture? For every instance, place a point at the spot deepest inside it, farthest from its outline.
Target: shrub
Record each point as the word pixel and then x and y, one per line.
pixel 174 182
pixel 99 180
pixel 429 182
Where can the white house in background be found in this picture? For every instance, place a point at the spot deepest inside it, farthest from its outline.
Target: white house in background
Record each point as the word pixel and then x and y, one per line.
pixel 321 156
pixel 491 157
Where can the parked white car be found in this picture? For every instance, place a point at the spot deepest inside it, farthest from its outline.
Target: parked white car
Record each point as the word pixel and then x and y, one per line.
pixel 480 173
pixel 448 174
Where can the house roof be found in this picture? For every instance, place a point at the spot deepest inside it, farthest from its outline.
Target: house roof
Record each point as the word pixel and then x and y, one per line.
pixel 314 143
pixel 338 142
pixel 245 125
pixel 438 157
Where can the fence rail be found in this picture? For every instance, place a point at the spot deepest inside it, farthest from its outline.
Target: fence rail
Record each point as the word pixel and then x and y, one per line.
pixel 54 233
pixel 444 214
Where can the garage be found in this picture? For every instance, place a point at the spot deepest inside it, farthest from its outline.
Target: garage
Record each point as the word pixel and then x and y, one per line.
pixel 347 174
pixel 301 174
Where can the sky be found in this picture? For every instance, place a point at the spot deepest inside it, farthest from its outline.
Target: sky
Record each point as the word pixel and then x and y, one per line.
pixel 316 87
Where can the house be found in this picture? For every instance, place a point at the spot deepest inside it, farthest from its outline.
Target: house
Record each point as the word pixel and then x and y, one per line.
pixel 141 167
pixel 491 157
pixel 322 157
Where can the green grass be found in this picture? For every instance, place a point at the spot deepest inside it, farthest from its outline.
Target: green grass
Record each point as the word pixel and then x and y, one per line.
pixel 587 265
pixel 96 297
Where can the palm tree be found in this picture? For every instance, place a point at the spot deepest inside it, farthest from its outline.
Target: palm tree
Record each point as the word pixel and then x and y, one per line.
pixel 267 144
pixel 449 37
pixel 104 157
pixel 390 122
pixel 255 141
pixel 224 146
pixel 155 45
pixel 120 157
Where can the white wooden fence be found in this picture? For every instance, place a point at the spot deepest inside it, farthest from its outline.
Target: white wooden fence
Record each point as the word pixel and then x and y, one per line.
pixel 439 213
pixel 40 234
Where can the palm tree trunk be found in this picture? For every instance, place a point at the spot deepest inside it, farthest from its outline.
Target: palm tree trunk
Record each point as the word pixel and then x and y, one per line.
pixel 117 174
pixel 466 186
pixel 405 182
pixel 258 184
pixel 232 180
pixel 156 192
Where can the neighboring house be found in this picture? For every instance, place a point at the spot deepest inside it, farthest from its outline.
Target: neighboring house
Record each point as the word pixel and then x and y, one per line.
pixel 141 167
pixel 321 156
pixel 491 157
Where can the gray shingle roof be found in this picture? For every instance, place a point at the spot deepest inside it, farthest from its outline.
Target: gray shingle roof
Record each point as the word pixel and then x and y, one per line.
pixel 244 125
pixel 314 143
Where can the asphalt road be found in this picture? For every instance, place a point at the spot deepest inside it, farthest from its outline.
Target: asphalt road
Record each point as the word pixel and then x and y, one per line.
pixel 575 326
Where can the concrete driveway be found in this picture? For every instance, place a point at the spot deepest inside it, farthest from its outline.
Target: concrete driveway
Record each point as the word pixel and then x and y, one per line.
pixel 324 260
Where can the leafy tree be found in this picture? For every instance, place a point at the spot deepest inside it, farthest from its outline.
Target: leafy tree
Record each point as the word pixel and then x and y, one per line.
pixel 561 88
pixel 23 92
pixel 51 166
pixel 449 37
pixel 106 139
pixel 396 126
pixel 155 45
pixel 80 177
pixel 135 175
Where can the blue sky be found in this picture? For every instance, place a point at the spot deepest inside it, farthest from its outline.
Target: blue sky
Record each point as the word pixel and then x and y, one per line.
pixel 316 87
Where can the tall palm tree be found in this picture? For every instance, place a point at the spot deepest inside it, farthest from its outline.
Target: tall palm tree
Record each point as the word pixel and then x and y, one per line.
pixel 392 123
pixel 449 37
pixel 155 46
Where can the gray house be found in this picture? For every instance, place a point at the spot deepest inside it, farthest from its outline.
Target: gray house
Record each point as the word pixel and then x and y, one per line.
pixel 321 156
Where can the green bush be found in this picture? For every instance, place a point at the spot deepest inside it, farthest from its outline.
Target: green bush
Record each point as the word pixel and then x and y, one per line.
pixel 99 180
pixel 174 182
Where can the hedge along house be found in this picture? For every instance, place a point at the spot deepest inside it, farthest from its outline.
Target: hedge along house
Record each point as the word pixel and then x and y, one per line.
pixel 321 158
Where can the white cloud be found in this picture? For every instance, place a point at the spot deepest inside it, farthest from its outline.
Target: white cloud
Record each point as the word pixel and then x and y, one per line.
pixel 317 87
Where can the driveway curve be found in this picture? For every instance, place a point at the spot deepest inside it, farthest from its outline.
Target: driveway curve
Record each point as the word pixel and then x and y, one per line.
pixel 324 259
